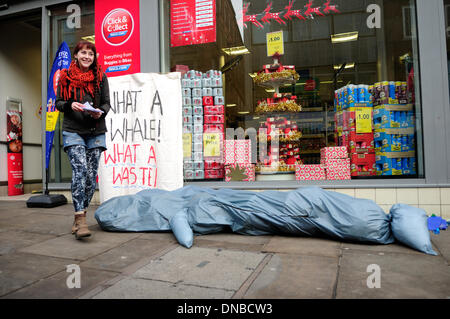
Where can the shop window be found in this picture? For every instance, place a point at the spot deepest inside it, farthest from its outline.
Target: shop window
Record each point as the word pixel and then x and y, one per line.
pixel 60 31
pixel 306 102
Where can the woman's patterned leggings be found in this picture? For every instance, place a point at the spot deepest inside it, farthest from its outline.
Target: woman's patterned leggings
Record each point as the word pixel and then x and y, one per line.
pixel 84 174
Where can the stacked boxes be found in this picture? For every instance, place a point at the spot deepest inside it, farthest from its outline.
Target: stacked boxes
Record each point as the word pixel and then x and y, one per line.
pixel 201 115
pixel 336 162
pixel 394 140
pixel 213 122
pixel 390 92
pixel 238 161
pixel 350 101
pixel 310 172
pixel 352 96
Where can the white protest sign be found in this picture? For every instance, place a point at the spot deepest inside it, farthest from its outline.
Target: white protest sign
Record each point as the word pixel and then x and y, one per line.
pixel 144 137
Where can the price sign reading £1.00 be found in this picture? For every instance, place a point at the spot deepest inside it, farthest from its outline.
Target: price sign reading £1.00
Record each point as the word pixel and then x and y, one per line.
pixel 187 145
pixel 211 144
pixel 275 43
pixel 363 120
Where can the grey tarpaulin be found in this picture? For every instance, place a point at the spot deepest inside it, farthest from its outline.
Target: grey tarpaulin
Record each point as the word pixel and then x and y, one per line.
pixel 308 211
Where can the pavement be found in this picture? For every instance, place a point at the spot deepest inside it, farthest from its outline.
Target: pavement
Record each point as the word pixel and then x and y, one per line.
pixel 40 259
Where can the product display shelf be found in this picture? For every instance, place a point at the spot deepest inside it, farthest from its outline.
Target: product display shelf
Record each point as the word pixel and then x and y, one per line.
pixel 288 171
pixel 277 83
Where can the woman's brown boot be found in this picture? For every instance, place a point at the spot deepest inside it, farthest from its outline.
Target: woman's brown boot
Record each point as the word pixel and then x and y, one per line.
pixel 80 228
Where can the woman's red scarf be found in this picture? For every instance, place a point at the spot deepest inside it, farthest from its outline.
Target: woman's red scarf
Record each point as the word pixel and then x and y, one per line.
pixel 74 79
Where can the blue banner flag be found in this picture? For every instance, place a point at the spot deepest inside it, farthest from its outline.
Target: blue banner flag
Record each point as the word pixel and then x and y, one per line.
pixel 62 61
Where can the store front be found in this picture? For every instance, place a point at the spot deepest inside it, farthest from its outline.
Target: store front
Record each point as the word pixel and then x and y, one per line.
pixel 331 49
pixel 341 48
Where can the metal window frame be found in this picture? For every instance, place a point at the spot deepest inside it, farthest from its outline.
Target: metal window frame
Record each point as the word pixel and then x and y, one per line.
pixel 434 94
pixel 430 18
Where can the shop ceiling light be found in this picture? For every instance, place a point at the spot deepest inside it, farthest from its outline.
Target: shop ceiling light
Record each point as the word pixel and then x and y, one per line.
pixel 236 50
pixel 244 112
pixel 349 65
pixel 231 105
pixel 90 38
pixel 330 82
pixel 344 37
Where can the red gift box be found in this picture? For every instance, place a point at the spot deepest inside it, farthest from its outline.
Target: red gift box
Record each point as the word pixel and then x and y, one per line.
pixel 239 172
pixel 214 173
pixel 362 164
pixel 310 172
pixel 338 169
pixel 329 153
pixel 333 152
pixel 208 100
pixel 337 163
pixel 229 152
pixel 361 143
pixel 213 109
pixel 237 151
pixel 242 151
pixel 214 119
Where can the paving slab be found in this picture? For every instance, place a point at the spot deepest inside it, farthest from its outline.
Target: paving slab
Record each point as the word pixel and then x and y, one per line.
pixel 442 243
pixel 213 268
pixel 232 242
pixel 391 248
pixel 295 277
pixel 117 259
pixel 8 205
pixel 68 247
pixel 404 276
pixel 39 223
pixel 162 236
pixel 19 270
pixel 11 240
pixel 60 210
pixel 303 246
pixel 137 288
pixel 235 238
pixel 8 212
pixel 227 245
pixel 55 287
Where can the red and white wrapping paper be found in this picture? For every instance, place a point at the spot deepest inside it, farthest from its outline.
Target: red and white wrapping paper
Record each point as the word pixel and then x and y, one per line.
pixel 237 151
pixel 338 169
pixel 229 152
pixel 333 152
pixel 310 172
pixel 242 151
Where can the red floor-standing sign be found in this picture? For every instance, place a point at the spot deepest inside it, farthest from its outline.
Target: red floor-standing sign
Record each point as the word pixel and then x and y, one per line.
pixel 15 158
pixel 117 36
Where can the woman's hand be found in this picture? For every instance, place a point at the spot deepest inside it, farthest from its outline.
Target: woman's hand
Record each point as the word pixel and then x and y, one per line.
pixel 77 107
pixel 95 115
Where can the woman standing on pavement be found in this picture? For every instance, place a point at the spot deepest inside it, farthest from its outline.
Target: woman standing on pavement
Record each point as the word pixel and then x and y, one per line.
pixel 83 131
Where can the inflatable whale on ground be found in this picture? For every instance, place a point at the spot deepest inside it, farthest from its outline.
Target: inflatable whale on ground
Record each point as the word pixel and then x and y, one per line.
pixel 307 211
